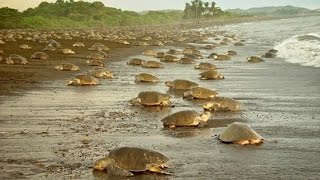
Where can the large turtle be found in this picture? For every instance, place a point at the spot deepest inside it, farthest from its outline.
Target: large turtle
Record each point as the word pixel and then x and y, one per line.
pixel 83 80
pixel 211 74
pixel 186 118
pixel 152 64
pixel 16 59
pixel 181 84
pixel 67 67
pixel 240 133
pixel 136 62
pixel 205 66
pixel 39 55
pixel 151 98
pixel 222 104
pixel 169 58
pixel 145 77
pixel 100 72
pixel 124 161
pixel 254 59
pixel 200 93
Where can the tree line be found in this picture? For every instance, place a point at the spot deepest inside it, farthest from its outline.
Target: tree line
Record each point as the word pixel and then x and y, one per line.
pixel 199 8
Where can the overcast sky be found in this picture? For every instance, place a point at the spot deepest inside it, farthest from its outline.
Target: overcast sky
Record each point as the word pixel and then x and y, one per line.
pixel 142 5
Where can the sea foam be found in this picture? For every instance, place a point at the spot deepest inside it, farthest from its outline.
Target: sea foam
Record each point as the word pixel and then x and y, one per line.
pixel 301 49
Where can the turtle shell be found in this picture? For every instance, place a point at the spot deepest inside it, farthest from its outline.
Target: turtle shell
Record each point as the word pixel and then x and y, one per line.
pixel 87 79
pixel 16 59
pixel 238 131
pixel 211 74
pixel 145 77
pixel 67 67
pixel 185 60
pixel 205 66
pixel 180 84
pixel 136 61
pixel 202 93
pixel 152 64
pixel 151 98
pixel 224 104
pixel 254 59
pixel 169 58
pixel 181 118
pixel 136 159
pixel 39 55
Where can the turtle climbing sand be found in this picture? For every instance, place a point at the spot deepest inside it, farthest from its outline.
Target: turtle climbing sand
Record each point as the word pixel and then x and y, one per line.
pixel 211 75
pixel 199 93
pixel 83 80
pixel 205 66
pixel 95 62
pixel 100 72
pixel 181 84
pixel 39 55
pixel 240 133
pixel 255 59
pixel 169 58
pixel 16 59
pixel 151 98
pixel 152 64
pixel 185 119
pixel 125 161
pixel 67 67
pixel 222 104
pixel 145 77
pixel 136 62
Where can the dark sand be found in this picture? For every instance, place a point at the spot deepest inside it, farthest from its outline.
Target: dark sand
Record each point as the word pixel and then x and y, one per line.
pixel 51 131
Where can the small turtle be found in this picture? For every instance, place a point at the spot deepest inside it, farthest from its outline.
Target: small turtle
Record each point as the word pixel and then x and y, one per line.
pixel 200 93
pixel 136 62
pixel 151 98
pixel 185 60
pixel 145 77
pixel 149 52
pixel 185 119
pixel 169 58
pixel 96 56
pixel 240 133
pixel 124 161
pixel 24 46
pixel 100 72
pixel 95 62
pixel 98 47
pixel 159 55
pixel 67 67
pixel 173 52
pixel 83 80
pixel 16 59
pixel 78 44
pixel 152 64
pixel 238 44
pixel 222 104
pixel 231 53
pixel 181 84
pixel 221 57
pixel 67 51
pixel 39 55
pixel 254 59
pixel 205 66
pixel 269 55
pixel 211 74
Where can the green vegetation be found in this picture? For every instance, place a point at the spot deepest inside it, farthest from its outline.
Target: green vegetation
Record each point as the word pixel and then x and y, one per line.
pixel 199 9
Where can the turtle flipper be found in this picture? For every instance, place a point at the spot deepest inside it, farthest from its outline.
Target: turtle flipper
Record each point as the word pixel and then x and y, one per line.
pixel 116 171
pixel 157 169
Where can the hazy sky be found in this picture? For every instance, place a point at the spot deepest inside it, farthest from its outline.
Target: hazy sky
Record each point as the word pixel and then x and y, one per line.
pixel 141 5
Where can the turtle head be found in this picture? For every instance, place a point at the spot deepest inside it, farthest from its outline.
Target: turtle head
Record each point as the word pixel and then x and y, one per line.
pixel 211 106
pixel 196 66
pixel 205 116
pixel 169 84
pixel 135 101
pixel 215 57
pixel 103 164
pixel 75 81
pixel 166 103
pixel 58 67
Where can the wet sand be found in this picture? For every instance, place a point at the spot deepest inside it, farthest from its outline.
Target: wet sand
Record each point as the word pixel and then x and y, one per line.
pixel 49 130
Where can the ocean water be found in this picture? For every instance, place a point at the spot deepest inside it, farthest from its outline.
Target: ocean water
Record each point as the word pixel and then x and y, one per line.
pixel 296 39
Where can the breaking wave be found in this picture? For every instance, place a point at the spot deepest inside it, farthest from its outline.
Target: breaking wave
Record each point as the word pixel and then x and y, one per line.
pixel 301 49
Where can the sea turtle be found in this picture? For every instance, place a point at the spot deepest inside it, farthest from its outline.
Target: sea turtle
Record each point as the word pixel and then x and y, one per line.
pixel 152 64
pixel 186 118
pixel 231 53
pixel 181 84
pixel 200 93
pixel 173 52
pixel 169 58
pixel 185 60
pixel 39 55
pixel 124 161
pixel 24 46
pixel 96 56
pixel 205 66
pixel 193 56
pixel 49 47
pixel 254 59
pixel 221 57
pixel 53 43
pixel 211 74
pixel 136 62
pixel 238 44
pixel 149 52
pixel 78 44
pixel 67 67
pixel 222 104
pixel 159 55
pixel 100 72
pixel 151 98
pixel 269 55
pixel 191 50
pixel 98 47
pixel 16 59
pixel 95 62
pixel 240 133
pixel 140 43
pixel 83 80
pixel 145 77
pixel 209 46
pixel 212 55
pixel 67 51
pixel 274 51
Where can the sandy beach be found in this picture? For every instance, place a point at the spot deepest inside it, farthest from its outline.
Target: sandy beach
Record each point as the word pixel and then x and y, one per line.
pixel 49 130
